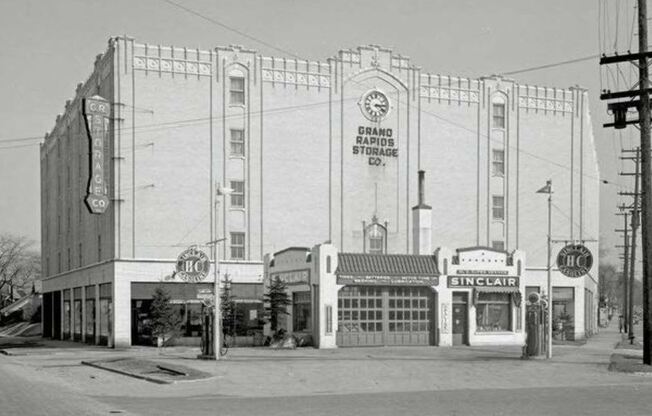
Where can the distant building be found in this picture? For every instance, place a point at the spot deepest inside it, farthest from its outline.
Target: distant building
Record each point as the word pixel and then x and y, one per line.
pixel 314 152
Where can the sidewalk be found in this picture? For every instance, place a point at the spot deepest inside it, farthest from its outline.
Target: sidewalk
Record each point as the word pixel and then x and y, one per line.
pixel 261 372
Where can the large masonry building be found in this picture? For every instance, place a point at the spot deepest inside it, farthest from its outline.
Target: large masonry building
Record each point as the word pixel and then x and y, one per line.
pixel 314 152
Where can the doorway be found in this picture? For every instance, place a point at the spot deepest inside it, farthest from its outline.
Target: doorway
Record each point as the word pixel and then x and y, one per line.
pixel 460 318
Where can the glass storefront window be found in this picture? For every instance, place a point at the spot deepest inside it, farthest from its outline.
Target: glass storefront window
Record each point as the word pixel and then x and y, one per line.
pixel 78 319
pixel 90 320
pixel 105 311
pixel 301 311
pixel 493 312
pixel 66 319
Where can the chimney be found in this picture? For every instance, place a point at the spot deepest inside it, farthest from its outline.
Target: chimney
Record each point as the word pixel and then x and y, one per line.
pixel 422 221
pixel 422 175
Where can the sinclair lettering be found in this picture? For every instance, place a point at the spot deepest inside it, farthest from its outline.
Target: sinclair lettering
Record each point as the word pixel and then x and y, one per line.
pixel 375 144
pixel 482 281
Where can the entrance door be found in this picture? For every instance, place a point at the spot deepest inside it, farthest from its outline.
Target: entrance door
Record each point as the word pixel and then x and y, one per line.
pixel 460 318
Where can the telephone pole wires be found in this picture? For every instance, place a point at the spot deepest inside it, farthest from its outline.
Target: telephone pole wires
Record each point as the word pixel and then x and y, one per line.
pixel 619 110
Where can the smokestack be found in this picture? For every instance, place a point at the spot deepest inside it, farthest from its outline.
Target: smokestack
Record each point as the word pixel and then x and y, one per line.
pixel 422 221
pixel 422 197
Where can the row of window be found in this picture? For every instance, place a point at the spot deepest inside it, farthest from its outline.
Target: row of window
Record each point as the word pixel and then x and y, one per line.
pixel 498 201
pixel 80 258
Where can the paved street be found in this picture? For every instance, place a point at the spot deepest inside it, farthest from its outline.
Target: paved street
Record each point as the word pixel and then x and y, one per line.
pixel 364 381
pixel 628 400
pixel 34 391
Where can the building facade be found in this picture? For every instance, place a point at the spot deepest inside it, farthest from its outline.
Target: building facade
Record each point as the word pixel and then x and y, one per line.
pixel 314 151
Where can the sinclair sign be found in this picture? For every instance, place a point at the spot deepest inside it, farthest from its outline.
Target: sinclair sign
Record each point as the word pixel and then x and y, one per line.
pixel 96 111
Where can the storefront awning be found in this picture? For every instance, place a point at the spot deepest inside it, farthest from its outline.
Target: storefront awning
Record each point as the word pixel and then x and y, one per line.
pixel 514 291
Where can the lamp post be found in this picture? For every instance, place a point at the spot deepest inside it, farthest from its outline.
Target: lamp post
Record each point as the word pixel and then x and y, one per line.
pixel 548 190
pixel 217 323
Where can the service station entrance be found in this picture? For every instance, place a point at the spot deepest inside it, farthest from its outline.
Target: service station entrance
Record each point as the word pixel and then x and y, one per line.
pixel 386 315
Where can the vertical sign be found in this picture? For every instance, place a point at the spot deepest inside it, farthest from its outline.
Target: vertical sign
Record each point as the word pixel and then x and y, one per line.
pixel 96 111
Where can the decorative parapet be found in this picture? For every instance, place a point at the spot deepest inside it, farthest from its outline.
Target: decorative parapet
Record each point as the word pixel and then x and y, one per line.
pixel 295 72
pixel 552 100
pixel 449 89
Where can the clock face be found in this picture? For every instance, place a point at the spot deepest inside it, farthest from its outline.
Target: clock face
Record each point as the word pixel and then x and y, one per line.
pixel 375 105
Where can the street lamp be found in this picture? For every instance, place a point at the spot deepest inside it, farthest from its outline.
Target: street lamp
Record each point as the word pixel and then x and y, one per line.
pixel 216 281
pixel 548 190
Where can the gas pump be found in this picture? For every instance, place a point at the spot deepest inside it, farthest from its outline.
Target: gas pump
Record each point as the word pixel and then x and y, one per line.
pixel 536 322
pixel 207 332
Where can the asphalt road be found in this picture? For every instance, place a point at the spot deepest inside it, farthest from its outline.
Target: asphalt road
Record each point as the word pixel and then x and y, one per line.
pixel 25 391
pixel 621 400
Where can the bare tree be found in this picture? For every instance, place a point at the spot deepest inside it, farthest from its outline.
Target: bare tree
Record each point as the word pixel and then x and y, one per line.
pixel 19 266
pixel 610 284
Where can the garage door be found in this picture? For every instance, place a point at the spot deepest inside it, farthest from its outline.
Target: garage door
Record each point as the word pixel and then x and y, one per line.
pixel 386 315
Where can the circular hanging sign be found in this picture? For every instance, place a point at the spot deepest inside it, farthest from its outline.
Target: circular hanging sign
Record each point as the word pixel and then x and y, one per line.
pixel 193 265
pixel 574 260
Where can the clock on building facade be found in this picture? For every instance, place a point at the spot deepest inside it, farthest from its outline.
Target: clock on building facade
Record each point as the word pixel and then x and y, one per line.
pixel 374 105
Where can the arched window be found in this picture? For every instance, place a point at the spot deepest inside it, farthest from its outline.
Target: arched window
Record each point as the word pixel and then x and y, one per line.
pixel 375 237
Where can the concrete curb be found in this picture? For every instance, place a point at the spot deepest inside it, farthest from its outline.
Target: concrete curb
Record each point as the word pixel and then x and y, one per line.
pixel 127 373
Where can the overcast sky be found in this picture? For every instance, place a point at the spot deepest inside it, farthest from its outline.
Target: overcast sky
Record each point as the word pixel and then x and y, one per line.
pixel 49 46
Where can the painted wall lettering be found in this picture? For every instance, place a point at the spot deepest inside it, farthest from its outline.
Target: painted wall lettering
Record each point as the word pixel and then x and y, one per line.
pixel 375 144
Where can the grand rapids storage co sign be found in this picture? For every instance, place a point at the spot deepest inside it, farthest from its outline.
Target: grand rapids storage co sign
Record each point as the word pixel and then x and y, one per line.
pixel 96 111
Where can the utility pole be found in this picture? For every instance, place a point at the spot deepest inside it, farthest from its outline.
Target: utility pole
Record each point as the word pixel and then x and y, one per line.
pixel 632 260
pixel 619 110
pixel 646 202
pixel 625 281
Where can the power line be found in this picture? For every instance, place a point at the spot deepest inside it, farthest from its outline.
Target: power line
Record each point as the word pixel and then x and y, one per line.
pixel 553 65
pixel 232 29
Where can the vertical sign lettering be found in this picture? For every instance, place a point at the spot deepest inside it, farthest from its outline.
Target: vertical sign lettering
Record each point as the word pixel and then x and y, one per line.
pixel 96 111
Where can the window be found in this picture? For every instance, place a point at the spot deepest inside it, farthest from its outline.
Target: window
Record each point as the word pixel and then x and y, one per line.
pixel 237 90
pixel 237 246
pixel 493 312
pixel 237 142
pixel 498 245
pixel 301 311
pixel 69 260
pixel 499 115
pixel 498 162
pixel 376 243
pixel 99 248
pixel 498 207
pixel 375 238
pixel 237 196
pixel 328 264
pixel 81 257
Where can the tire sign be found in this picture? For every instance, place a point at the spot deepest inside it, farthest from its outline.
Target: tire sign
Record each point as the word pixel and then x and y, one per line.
pixel 193 265
pixel 574 260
